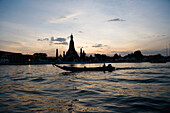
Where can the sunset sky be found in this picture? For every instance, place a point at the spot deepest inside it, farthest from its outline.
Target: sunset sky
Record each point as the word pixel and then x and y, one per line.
pixel 99 26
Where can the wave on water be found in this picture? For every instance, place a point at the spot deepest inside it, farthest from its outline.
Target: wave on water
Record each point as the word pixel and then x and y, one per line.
pixel 42 88
pixel 39 79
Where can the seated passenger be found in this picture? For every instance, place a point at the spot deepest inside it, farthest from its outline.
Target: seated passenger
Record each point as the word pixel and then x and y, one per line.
pixel 109 65
pixel 104 65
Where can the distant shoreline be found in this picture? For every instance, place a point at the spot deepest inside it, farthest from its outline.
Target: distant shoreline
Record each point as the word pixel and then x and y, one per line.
pixel 39 63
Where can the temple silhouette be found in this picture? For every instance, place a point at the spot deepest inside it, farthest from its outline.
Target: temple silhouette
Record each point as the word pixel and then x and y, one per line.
pixel 71 54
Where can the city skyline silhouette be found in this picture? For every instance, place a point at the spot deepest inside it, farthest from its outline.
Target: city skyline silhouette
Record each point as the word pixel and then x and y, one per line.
pixel 104 27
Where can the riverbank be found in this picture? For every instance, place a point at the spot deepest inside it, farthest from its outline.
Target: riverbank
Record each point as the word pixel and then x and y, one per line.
pixel 38 63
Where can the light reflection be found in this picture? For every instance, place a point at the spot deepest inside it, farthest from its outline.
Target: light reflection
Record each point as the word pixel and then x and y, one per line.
pixel 29 66
pixel 55 91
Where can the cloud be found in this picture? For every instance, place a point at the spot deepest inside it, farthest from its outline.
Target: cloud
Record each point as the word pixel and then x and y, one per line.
pixel 160 35
pixel 63 18
pixel 80 31
pixel 62 43
pixel 75 18
pixel 13 46
pixel 97 45
pixel 100 45
pixel 8 42
pixel 82 47
pixel 154 52
pixel 39 39
pixel 58 39
pixel 45 39
pixel 116 19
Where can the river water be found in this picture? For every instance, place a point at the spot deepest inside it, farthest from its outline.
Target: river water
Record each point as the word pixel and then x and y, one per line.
pixel 47 89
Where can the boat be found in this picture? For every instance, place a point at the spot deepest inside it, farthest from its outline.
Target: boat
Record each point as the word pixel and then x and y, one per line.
pixel 73 69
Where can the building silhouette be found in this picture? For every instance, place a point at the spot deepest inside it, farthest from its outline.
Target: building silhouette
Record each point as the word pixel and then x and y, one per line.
pixel 14 58
pixel 82 55
pixel 71 54
pixel 56 53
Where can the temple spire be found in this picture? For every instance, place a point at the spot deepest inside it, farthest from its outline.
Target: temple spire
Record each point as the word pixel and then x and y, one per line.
pixel 71 46
pixel 71 36
pixel 71 54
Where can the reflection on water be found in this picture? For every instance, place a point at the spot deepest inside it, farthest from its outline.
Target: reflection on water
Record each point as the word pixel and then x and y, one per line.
pixel 44 88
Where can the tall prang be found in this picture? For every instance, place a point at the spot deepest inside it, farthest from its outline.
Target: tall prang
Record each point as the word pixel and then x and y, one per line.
pixel 71 54
pixel 71 46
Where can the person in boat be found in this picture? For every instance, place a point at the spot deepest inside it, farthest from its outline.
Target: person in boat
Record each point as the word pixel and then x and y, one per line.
pixel 104 65
pixel 109 66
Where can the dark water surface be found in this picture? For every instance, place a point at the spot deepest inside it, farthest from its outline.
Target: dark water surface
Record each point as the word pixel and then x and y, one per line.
pixel 44 88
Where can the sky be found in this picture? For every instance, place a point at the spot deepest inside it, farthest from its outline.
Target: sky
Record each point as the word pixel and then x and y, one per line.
pixel 98 26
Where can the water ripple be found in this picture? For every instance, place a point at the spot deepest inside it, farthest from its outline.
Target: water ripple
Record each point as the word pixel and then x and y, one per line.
pixel 43 88
pixel 39 79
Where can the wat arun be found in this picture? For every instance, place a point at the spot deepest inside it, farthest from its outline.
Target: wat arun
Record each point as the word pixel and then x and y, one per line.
pixel 71 54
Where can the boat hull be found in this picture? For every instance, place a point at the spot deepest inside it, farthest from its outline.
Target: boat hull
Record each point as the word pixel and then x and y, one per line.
pixel 86 69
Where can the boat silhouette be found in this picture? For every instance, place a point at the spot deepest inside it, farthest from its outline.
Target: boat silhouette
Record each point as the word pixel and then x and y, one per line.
pixel 67 68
